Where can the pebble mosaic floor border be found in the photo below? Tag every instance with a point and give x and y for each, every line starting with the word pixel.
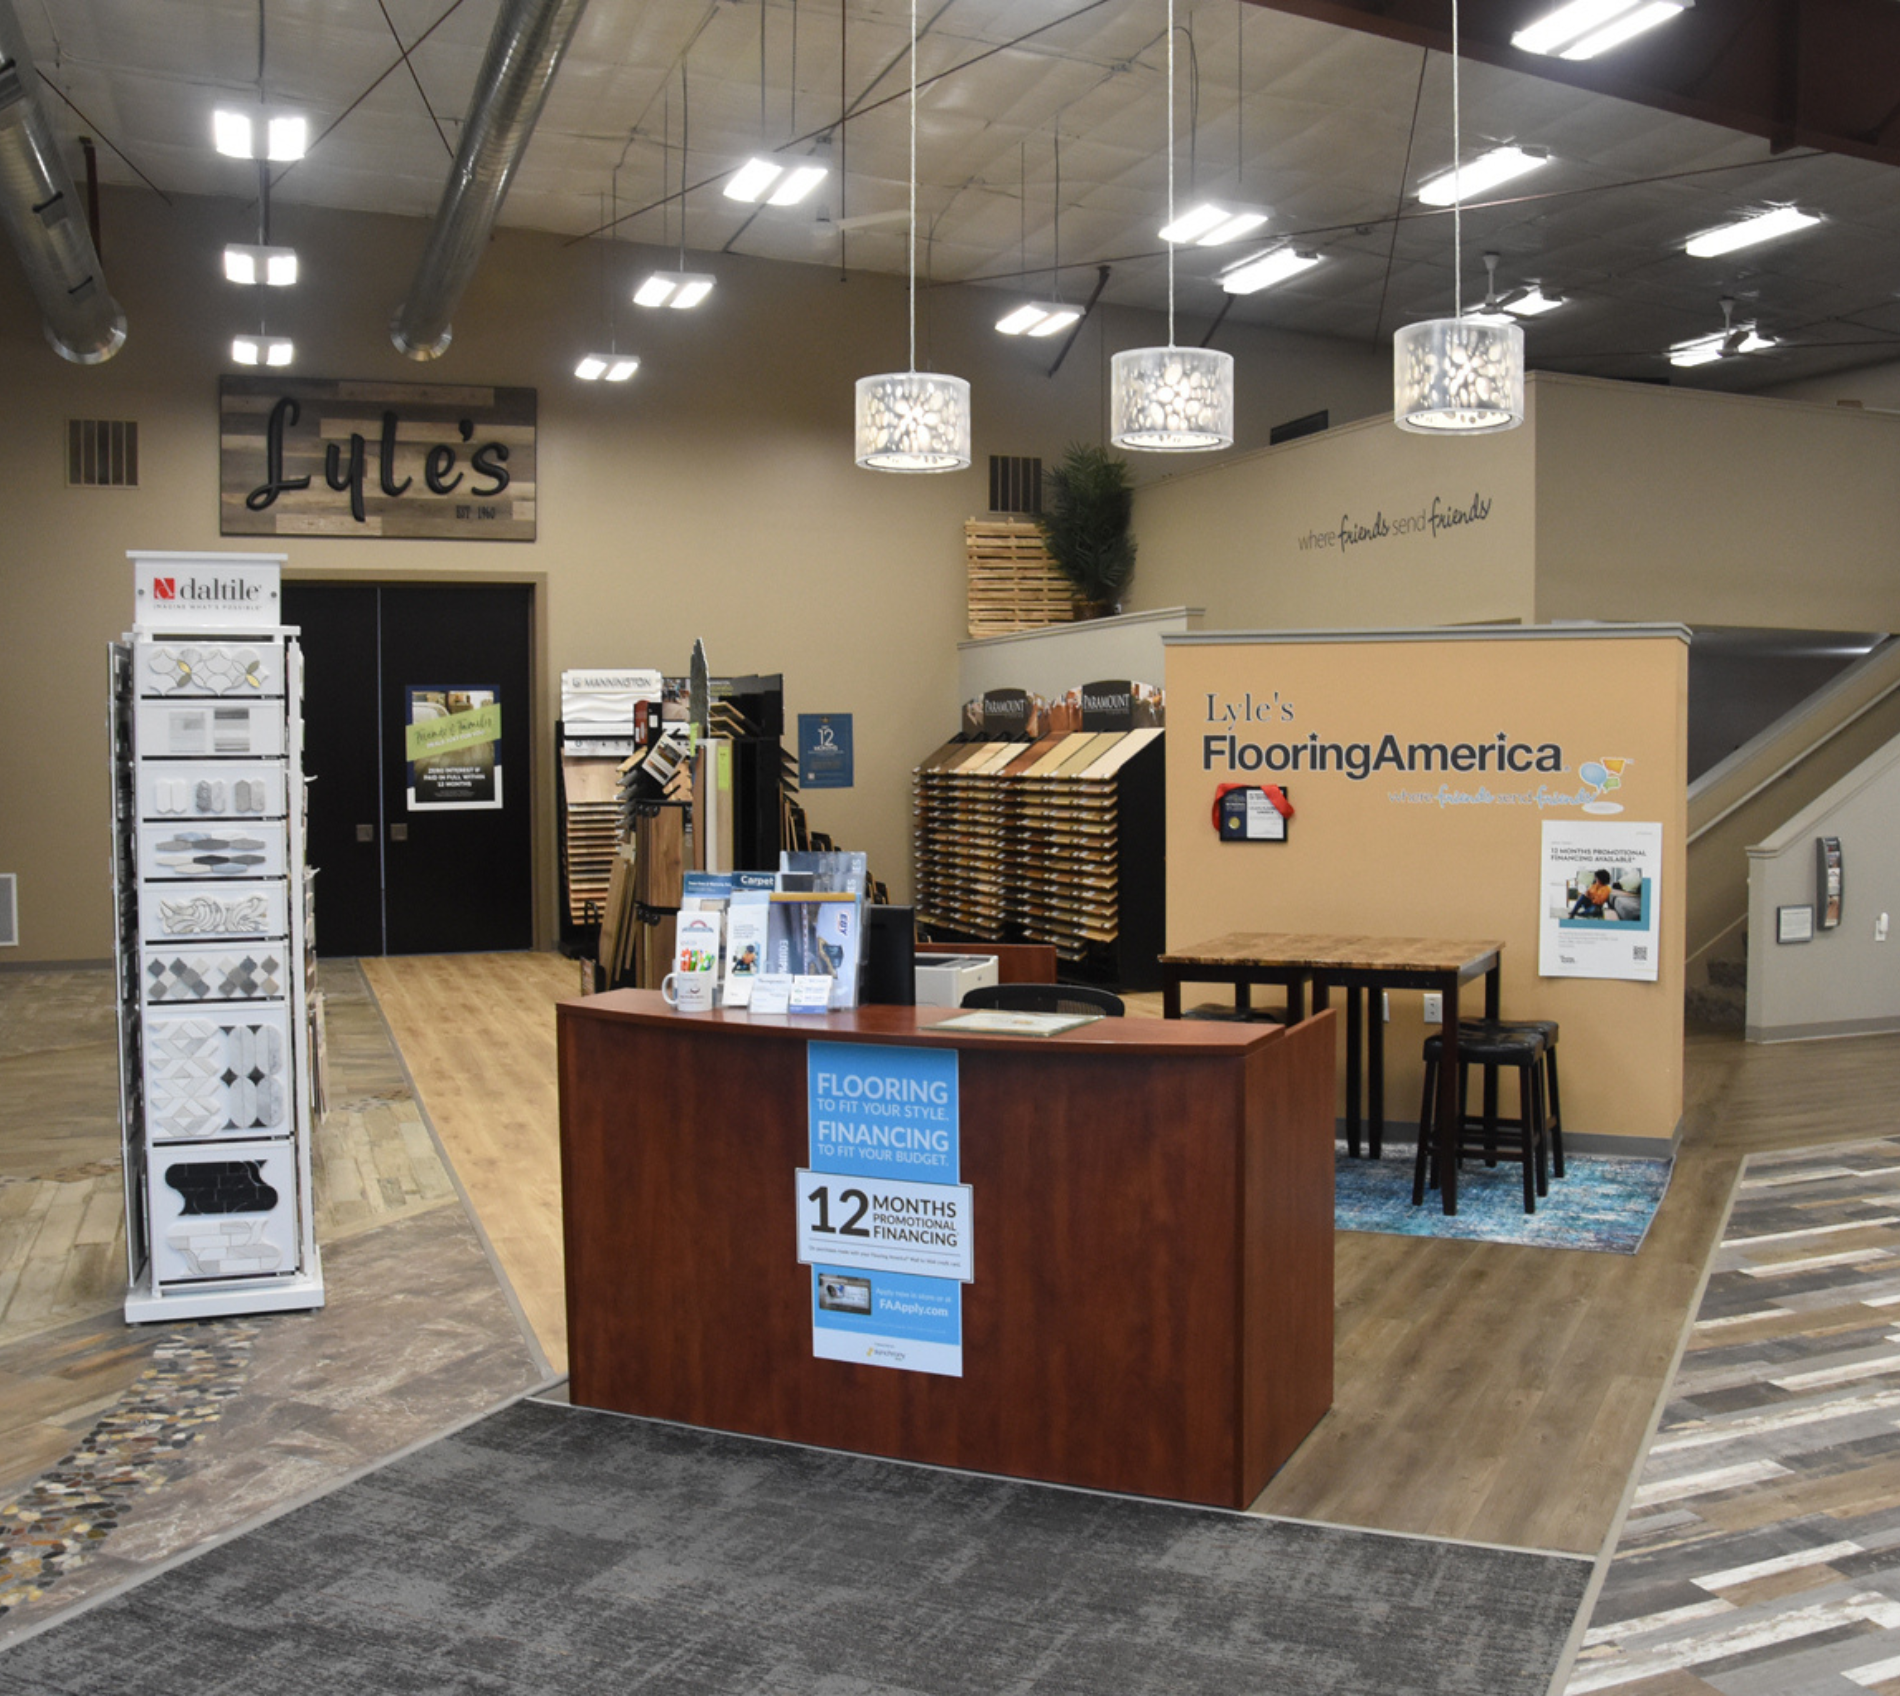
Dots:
pixel 62 1520
pixel 1761 1554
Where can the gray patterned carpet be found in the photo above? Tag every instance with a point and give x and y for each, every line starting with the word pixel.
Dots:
pixel 550 1550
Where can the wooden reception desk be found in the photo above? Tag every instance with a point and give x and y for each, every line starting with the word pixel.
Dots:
pixel 1153 1303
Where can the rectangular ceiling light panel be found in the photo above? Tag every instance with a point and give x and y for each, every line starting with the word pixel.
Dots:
pixel 1477 176
pixel 1765 226
pixel 1585 28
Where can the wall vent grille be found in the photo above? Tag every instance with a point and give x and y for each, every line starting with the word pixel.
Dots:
pixel 102 453
pixel 1015 484
pixel 9 910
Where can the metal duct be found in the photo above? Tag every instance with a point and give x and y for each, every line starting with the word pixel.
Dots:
pixel 523 55
pixel 45 218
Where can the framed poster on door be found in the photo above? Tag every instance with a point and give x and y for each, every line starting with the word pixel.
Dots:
pixel 452 742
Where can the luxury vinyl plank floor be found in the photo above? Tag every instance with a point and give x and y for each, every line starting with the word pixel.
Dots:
pixel 477 1034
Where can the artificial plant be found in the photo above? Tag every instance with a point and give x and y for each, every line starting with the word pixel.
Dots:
pixel 1087 507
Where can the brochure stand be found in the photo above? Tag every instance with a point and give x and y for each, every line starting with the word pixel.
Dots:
pixel 216 1046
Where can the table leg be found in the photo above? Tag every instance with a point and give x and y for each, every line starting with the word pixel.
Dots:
pixel 1170 993
pixel 1296 1001
pixel 1451 1107
pixel 1354 1040
pixel 1243 997
pixel 1491 1072
pixel 1375 1073
pixel 1492 1003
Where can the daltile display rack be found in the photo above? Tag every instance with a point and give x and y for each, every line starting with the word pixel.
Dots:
pixel 216 1048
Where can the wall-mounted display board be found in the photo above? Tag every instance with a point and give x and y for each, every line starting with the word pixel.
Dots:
pixel 1430 767
pixel 1054 840
pixel 217 1049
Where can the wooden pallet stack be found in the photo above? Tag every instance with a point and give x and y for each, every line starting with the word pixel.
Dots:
pixel 1014 584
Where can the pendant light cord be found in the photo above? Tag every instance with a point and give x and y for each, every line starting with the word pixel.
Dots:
pixel 1170 170
pixel 1457 180
pixel 913 183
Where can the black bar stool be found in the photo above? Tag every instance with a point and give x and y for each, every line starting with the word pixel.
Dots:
pixel 1553 1100
pixel 1492 1048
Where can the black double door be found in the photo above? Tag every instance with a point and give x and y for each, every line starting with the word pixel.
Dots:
pixel 396 877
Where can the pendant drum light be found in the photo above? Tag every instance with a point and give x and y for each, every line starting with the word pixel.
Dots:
pixel 1458 375
pixel 1171 399
pixel 913 420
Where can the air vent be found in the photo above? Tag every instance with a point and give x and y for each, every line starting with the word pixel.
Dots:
pixel 1015 484
pixel 9 910
pixel 1310 425
pixel 102 453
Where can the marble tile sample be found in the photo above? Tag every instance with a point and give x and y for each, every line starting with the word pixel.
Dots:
pixel 169 790
pixel 228 1212
pixel 177 730
pixel 209 668
pixel 191 975
pixel 231 851
pixel 169 910
pixel 217 1075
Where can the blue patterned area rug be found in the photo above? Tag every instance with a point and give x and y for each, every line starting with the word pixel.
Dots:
pixel 1601 1203
pixel 548 1551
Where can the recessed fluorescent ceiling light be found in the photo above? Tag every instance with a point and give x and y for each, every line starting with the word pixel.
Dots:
pixel 1783 221
pixel 261 350
pixel 1533 301
pixel 1585 28
pixel 613 367
pixel 1486 171
pixel 1212 225
pixel 1039 318
pixel 774 183
pixel 276 266
pixel 680 290
pixel 1706 350
pixel 235 136
pixel 1266 269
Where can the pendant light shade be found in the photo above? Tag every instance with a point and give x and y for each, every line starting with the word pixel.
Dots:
pixel 1172 399
pixel 913 421
pixel 1458 376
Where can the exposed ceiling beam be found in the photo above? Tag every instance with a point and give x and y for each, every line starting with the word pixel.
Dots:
pixel 1799 73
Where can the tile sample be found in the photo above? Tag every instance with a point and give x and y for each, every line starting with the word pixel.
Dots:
pixel 209 668
pixel 216 1075
pixel 211 910
pixel 178 790
pixel 215 974
pixel 235 851
pixel 174 730
pixel 228 1212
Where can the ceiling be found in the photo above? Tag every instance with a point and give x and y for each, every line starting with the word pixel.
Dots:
pixel 1329 127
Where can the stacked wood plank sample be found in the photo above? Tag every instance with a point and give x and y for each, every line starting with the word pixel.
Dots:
pixel 590 831
pixel 1055 841
pixel 1014 584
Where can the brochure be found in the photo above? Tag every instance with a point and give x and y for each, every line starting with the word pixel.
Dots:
pixel 747 930
pixel 813 934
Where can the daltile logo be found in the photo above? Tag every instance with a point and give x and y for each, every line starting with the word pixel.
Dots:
pixel 164 589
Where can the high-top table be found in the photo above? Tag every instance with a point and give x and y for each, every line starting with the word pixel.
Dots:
pixel 1360 965
pixel 1152 1309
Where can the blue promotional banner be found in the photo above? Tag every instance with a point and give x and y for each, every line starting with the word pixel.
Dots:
pixel 824 751
pixel 882 1219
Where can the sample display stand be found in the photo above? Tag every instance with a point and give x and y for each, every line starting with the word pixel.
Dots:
pixel 217 1045
pixel 1058 841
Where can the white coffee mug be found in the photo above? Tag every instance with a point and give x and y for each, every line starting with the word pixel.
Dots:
pixel 690 992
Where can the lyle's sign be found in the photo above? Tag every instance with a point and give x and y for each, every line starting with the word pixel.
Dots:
pixel 308 457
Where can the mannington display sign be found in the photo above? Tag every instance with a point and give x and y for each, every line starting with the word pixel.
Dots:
pixel 317 457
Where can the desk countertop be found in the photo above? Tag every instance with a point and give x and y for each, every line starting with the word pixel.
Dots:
pixel 916 1025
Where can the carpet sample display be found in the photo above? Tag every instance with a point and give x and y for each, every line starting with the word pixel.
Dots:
pixel 553 1550
pixel 1603 1202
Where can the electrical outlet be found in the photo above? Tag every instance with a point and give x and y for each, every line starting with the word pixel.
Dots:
pixel 1434 1007
pixel 1880 928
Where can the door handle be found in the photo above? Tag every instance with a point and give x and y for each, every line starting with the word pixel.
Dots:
pixel 365 833
pixel 398 833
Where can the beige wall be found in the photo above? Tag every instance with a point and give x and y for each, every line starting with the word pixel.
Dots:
pixel 1360 860
pixel 1248 539
pixel 1660 503
pixel 1846 980
pixel 714 496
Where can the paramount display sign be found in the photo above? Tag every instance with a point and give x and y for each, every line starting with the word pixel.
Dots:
pixel 316 457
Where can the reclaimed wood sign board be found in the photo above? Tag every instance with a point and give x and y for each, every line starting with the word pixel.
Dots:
pixel 316 457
